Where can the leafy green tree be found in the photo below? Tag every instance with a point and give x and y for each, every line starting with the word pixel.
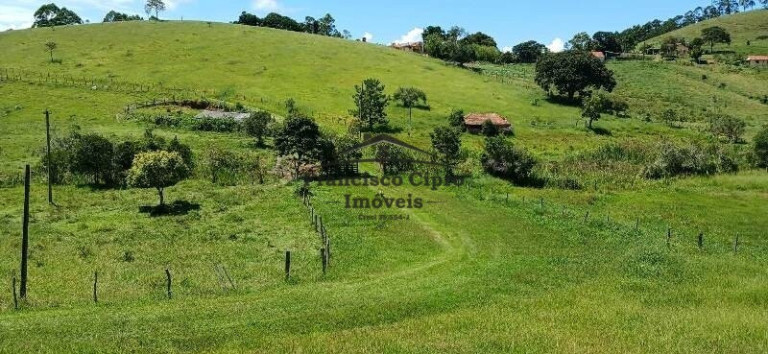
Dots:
pixel 50 15
pixel 456 118
pixel 581 42
pixel 257 124
pixel 529 52
pixel 745 4
pixel 159 170
pixel 447 143
pixel 300 136
pixel 761 147
pixel 696 51
pixel 92 156
pixel 593 107
pixel 481 39
pixel 371 102
pixel 408 98
pixel 713 35
pixel 114 16
pixel 573 72
pixel 50 46
pixel 156 6
pixel 606 42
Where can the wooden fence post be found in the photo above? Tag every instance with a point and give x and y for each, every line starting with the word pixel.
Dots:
pixel 669 237
pixel 323 259
pixel 287 265
pixel 15 299
pixel 736 245
pixel 169 279
pixel 95 287
pixel 25 234
pixel 701 240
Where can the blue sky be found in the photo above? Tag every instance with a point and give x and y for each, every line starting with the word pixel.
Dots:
pixel 510 22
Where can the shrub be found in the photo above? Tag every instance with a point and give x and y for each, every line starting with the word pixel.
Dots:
pixel 456 118
pixel 447 142
pixel 489 129
pixel 761 148
pixel 728 127
pixel 693 159
pixel 394 160
pixel 257 124
pixel 91 156
pixel 502 159
pixel 222 164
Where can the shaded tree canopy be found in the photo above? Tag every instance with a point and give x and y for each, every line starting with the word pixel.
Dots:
pixel 572 72
pixel 529 52
pixel 324 26
pixel 50 15
pixel 114 16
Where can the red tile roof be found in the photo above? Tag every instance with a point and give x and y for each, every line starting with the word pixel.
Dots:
pixel 599 55
pixel 477 119
pixel 757 57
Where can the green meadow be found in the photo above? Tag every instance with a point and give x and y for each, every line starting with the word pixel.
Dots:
pixel 613 266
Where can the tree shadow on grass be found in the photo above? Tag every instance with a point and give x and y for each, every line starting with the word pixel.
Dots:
pixel 564 101
pixel 385 129
pixel 177 208
pixel 601 131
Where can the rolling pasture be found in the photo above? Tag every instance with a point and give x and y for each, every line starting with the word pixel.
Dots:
pixel 615 266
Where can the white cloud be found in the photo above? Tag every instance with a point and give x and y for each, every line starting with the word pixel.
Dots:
pixel 412 36
pixel 266 5
pixel 368 37
pixel 15 17
pixel 557 45
pixel 506 50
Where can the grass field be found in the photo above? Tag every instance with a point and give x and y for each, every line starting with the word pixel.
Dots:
pixel 483 267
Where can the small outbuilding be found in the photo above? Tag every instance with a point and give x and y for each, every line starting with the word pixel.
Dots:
pixel 473 122
pixel 758 60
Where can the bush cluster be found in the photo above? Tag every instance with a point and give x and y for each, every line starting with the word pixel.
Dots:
pixel 95 159
pixel 502 159
pixel 693 159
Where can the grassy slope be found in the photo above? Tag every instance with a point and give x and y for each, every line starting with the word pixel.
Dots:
pixel 470 274
pixel 743 27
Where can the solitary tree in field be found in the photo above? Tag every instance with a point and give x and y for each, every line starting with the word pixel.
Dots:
pixel 156 6
pixel 50 46
pixel 696 52
pixel 371 102
pixel 593 107
pixel 256 125
pixel 409 97
pixel 447 143
pixel 713 35
pixel 159 170
pixel 573 72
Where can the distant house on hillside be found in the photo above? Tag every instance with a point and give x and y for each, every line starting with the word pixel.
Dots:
pixel 416 47
pixel 474 122
pixel 758 60
pixel 238 116
pixel 599 55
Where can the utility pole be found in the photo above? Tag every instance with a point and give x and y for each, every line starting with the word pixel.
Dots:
pixel 48 155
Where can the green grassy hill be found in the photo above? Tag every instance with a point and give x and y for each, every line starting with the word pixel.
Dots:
pixel 485 267
pixel 749 26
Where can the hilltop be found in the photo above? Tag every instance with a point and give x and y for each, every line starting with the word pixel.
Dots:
pixel 749 26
